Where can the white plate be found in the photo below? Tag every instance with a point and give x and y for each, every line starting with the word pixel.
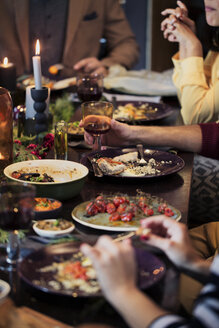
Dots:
pixel 51 233
pixel 101 221
pixel 4 290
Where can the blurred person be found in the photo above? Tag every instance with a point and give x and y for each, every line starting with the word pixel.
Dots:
pixel 195 77
pixel 69 32
pixel 116 271
pixel 202 139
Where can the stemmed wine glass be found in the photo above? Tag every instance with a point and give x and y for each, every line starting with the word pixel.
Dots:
pixel 89 86
pixel 16 212
pixel 97 119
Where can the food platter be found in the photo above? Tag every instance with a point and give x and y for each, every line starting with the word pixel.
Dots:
pixel 150 270
pixel 46 208
pixel 164 163
pixel 28 80
pixel 138 112
pixel 101 221
pixel 53 228
pixel 75 132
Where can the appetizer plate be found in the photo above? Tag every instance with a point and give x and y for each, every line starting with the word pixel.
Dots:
pixel 101 221
pixel 43 277
pixel 4 290
pixel 166 163
pixel 143 112
pixel 28 80
pixel 75 132
pixel 44 208
pixel 50 224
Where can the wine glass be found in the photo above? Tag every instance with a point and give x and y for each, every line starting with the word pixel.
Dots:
pixel 16 212
pixel 89 86
pixel 97 119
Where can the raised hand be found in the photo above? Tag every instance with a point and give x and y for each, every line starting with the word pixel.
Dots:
pixel 119 133
pixel 179 14
pixel 172 237
pixel 114 264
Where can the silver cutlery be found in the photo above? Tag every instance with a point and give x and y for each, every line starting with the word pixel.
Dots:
pixel 141 153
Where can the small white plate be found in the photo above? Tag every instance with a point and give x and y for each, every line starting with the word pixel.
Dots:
pixel 52 233
pixel 4 290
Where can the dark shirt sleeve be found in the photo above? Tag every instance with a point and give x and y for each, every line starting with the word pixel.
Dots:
pixel 206 311
pixel 210 140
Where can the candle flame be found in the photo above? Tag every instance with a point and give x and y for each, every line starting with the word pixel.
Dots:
pixel 5 61
pixel 37 51
pixel 1 156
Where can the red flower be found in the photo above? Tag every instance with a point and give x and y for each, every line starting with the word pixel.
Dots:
pixel 31 146
pixel 17 142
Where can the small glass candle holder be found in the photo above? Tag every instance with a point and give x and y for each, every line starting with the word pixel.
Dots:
pixel 61 140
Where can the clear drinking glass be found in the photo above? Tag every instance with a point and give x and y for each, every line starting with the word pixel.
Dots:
pixel 61 140
pixel 89 86
pixel 97 119
pixel 16 212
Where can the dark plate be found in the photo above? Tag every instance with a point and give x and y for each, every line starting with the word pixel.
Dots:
pixel 150 269
pixel 163 111
pixel 177 163
pixel 50 214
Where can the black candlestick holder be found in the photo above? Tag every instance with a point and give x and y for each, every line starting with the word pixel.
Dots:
pixel 39 97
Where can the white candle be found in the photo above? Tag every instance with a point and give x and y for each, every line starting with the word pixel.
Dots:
pixel 37 67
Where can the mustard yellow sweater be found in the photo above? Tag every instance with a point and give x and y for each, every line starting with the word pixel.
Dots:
pixel 197 83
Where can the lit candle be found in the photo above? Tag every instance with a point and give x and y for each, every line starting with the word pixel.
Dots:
pixel 8 75
pixel 37 67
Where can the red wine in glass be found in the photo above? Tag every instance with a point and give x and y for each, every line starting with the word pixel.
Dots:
pixel 16 220
pixel 89 87
pixel 96 125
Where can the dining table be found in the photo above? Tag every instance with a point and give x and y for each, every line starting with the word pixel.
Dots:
pixel 72 311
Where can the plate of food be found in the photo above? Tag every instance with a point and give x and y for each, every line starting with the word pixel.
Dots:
pixel 64 271
pixel 126 163
pixel 53 228
pixel 47 208
pixel 75 131
pixel 121 212
pixel 27 80
pixel 141 112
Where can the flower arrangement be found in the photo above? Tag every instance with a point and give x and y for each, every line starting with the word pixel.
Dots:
pixel 25 149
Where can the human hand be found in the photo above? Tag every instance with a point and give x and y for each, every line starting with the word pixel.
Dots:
pixel 172 237
pixel 119 133
pixel 91 65
pixel 114 264
pixel 178 14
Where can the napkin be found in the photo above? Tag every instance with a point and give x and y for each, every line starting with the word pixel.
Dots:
pixel 142 82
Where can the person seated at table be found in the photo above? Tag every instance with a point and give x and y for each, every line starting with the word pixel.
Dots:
pixel 200 138
pixel 116 271
pixel 203 139
pixel 69 33
pixel 196 78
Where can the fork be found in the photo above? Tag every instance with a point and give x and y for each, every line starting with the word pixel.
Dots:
pixel 141 153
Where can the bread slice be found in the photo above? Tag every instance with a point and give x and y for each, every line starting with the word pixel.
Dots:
pixel 110 166
pixel 129 157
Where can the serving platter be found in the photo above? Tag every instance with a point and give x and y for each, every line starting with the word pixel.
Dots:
pixel 166 163
pixel 27 80
pixel 32 269
pixel 147 111
pixel 101 221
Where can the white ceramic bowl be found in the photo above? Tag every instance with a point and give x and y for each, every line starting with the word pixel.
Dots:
pixel 52 233
pixel 69 177
pixel 4 290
